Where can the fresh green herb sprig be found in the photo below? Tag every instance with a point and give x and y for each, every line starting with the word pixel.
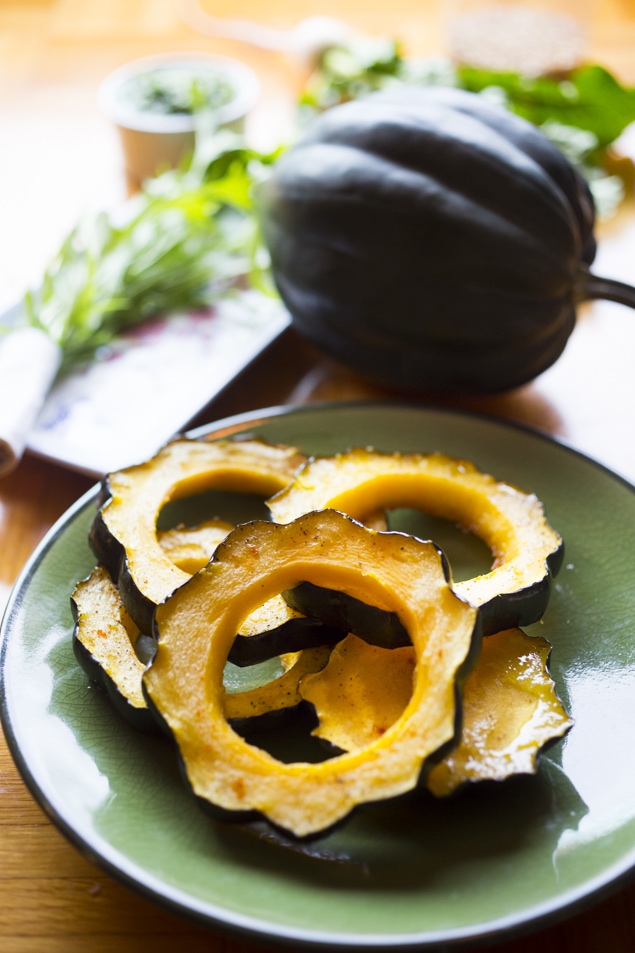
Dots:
pixel 186 238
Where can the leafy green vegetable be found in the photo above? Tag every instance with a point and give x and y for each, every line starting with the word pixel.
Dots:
pixel 186 239
pixel 590 98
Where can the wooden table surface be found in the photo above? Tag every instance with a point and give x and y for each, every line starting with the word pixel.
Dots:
pixel 58 157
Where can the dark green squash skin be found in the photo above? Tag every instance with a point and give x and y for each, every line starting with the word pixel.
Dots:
pixel 111 552
pixel 343 612
pixel 291 636
pixel 430 240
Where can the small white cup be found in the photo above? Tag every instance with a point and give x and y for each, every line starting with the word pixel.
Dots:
pixel 152 141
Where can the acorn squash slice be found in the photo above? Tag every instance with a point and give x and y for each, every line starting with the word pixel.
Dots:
pixel 527 552
pixel 104 641
pixel 196 625
pixel 510 707
pixel 360 693
pixel 123 534
pixel 511 712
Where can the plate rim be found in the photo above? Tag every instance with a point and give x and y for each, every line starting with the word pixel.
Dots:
pixel 234 923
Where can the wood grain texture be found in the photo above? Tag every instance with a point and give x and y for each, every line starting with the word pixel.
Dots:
pixel 59 158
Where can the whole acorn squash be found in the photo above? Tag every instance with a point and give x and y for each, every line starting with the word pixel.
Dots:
pixel 432 241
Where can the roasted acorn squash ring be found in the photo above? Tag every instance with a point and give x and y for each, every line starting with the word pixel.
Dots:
pixel 195 627
pixel 527 551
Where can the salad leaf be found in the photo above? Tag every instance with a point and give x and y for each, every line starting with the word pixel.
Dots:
pixel 590 98
pixel 186 239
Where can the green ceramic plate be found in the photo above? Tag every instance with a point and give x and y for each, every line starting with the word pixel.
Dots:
pixel 416 873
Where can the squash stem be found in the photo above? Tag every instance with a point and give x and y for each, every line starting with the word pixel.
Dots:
pixel 592 286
